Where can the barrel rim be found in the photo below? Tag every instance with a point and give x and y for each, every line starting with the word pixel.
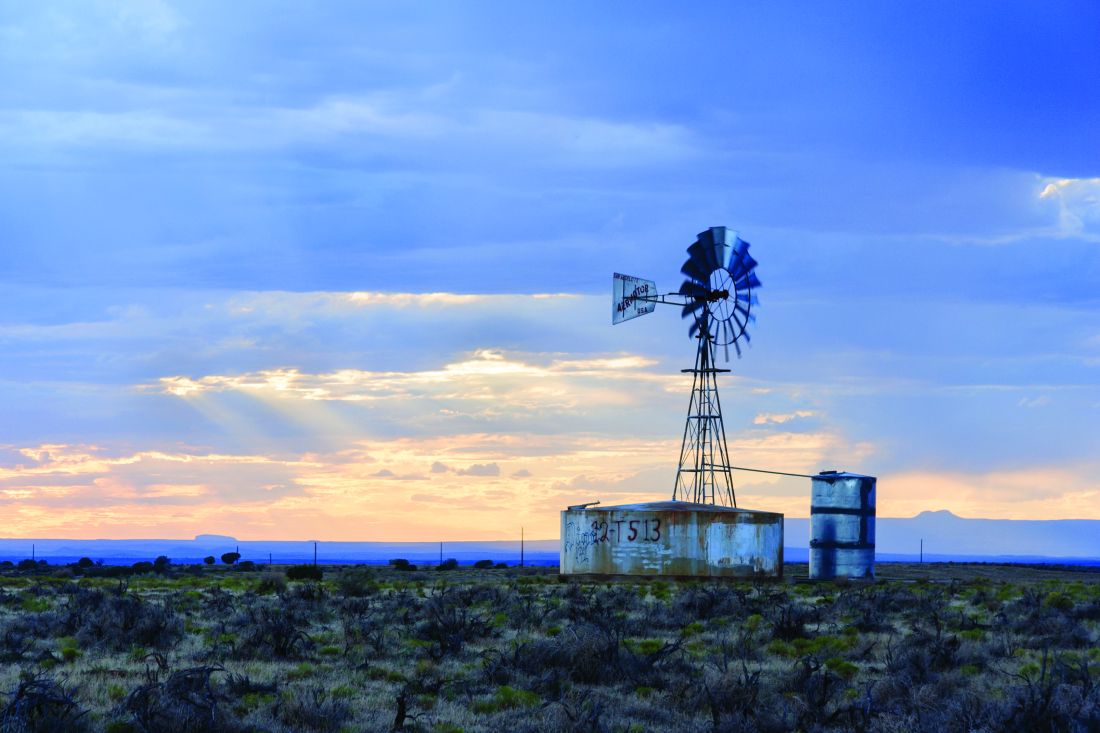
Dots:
pixel 675 506
pixel 840 545
pixel 830 477
pixel 850 511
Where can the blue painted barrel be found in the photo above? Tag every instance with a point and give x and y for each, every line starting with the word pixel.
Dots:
pixel 842 526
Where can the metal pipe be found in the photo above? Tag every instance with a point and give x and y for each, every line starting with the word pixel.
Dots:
pixel 777 473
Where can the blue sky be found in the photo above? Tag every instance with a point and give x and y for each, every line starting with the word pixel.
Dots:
pixel 265 265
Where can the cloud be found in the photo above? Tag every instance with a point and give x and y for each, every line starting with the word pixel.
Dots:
pixel 479 469
pixel 344 494
pixel 767 418
pixel 132 129
pixel 490 386
pixel 365 123
pixel 420 300
pixel 476 469
pixel 341 494
pixel 151 18
pixel 1078 204
pixel 1035 492
pixel 90 476
pixel 388 474
pixel 587 141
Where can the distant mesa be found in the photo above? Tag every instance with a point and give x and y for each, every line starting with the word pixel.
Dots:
pixel 214 538
pixel 937 514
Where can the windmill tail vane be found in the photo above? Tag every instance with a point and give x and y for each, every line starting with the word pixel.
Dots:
pixel 718 294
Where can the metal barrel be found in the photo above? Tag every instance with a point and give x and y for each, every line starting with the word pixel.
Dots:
pixel 842 526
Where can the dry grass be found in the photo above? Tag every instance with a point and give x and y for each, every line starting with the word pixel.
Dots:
pixel 933 647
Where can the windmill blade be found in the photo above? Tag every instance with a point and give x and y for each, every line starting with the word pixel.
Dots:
pixel 749 298
pixel 741 325
pixel 749 317
pixel 691 308
pixel 745 265
pixel 703 253
pixel 723 240
pixel 740 251
pixel 695 269
pixel 694 329
pixel 707 242
pixel 749 281
pixel 702 256
pixel 692 288
pixel 738 348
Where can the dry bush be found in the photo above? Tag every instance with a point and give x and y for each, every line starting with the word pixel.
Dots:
pixel 117 620
pixel 356 583
pixel 271 629
pixel 17 639
pixel 704 602
pixel 448 622
pixel 40 704
pixel 364 623
pixel 218 601
pixel 313 709
pixel 187 701
pixel 789 619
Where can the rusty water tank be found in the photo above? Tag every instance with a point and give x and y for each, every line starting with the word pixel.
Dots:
pixel 842 526
pixel 671 538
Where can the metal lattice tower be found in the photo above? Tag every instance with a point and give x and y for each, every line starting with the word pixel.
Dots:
pixel 704 475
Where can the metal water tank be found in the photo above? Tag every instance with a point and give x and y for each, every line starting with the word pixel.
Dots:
pixel 842 526
pixel 671 539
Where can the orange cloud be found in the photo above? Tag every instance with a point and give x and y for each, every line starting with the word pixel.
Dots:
pixel 471 486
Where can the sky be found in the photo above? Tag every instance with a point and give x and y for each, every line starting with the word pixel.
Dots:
pixel 342 270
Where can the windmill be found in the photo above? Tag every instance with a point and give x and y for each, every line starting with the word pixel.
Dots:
pixel 718 295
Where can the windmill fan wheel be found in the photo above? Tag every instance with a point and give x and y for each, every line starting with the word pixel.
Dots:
pixel 719 287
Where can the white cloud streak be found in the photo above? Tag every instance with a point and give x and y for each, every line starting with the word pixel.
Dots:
pixel 769 418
